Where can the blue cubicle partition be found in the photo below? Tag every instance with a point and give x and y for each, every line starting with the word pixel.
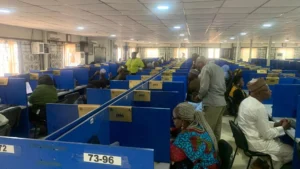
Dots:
pixel 65 80
pixel 141 132
pixel 100 96
pixel 93 70
pixel 40 154
pixel 119 84
pixel 59 115
pixel 285 99
pixel 81 75
pixel 139 77
pixel 14 93
pixel 113 69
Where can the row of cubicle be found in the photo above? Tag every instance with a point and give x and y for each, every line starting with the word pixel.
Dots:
pixel 126 126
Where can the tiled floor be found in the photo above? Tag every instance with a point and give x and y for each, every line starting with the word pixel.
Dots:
pixel 240 161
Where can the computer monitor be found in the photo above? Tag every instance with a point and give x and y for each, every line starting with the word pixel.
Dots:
pixel 28 88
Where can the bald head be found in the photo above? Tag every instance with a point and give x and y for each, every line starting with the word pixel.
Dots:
pixel 200 62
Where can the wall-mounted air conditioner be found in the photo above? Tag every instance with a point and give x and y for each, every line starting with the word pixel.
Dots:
pixel 37 48
pixel 54 37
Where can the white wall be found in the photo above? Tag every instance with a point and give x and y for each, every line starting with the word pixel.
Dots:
pixel 102 42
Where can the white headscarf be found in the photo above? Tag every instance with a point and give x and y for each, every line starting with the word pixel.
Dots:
pixel 187 112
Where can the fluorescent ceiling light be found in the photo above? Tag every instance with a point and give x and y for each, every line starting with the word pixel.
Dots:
pixel 267 25
pixel 163 7
pixel 177 27
pixel 243 33
pixel 113 35
pixel 181 35
pixel 6 11
pixel 232 38
pixel 80 28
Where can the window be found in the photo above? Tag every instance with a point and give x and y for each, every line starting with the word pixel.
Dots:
pixel 214 53
pixel 245 52
pixel 120 54
pixel 151 53
pixel 9 57
pixel 71 57
pixel 181 53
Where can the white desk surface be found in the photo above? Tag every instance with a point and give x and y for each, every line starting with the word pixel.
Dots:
pixel 161 165
pixel 291 132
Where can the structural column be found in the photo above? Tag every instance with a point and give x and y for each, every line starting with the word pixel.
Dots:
pixel 238 49
pixel 268 51
pixel 250 52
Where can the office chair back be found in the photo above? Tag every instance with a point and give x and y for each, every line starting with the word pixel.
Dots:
pixel 239 136
pixel 5 130
pixel 13 115
pixel 71 98
pixel 225 151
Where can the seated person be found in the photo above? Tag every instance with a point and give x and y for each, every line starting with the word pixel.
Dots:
pixel 195 147
pixel 237 93
pixel 44 93
pixel 262 134
pixel 102 83
pixel 122 73
pixel 193 84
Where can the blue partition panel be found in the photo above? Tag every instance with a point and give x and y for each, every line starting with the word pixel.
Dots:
pixel 39 154
pixel 298 119
pixel 59 115
pixel 107 68
pixel 113 69
pixel 93 70
pixel 285 99
pixel 270 100
pixel 139 77
pixel 98 96
pixel 287 80
pixel 119 84
pixel 97 125
pixel 246 76
pixel 14 92
pixel 65 80
pixel 150 128
pixel 81 75
pixel 176 86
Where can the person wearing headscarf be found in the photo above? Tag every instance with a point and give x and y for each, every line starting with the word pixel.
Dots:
pixel 44 93
pixel 134 64
pixel 237 94
pixel 195 146
pixel 100 83
pixel 262 134
pixel 212 93
pixel 193 84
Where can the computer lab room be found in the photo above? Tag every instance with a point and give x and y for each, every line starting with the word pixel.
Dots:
pixel 149 84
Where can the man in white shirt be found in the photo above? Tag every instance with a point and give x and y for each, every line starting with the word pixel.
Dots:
pixel 262 134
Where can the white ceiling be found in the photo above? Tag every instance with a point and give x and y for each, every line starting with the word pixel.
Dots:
pixel 200 20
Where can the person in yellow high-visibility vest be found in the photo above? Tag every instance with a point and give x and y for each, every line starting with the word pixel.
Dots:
pixel 134 64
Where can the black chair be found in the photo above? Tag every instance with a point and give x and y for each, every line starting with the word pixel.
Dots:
pixel 241 143
pixel 13 115
pixel 71 98
pixel 38 119
pixel 298 148
pixel 5 130
pixel 225 152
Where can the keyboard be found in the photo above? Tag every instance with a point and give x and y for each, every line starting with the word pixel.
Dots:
pixel 4 106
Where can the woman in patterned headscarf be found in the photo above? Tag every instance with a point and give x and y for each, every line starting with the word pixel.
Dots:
pixel 195 147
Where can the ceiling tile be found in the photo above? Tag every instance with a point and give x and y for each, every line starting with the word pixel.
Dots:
pixel 78 2
pixel 209 16
pixel 91 7
pixel 244 3
pixel 120 1
pixel 202 11
pixel 42 2
pixel 136 12
pixel 237 10
pixel 282 3
pixel 274 10
pixel 143 17
pixel 106 13
pixel 206 4
pixel 12 3
pixel 128 7
pixel 31 9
